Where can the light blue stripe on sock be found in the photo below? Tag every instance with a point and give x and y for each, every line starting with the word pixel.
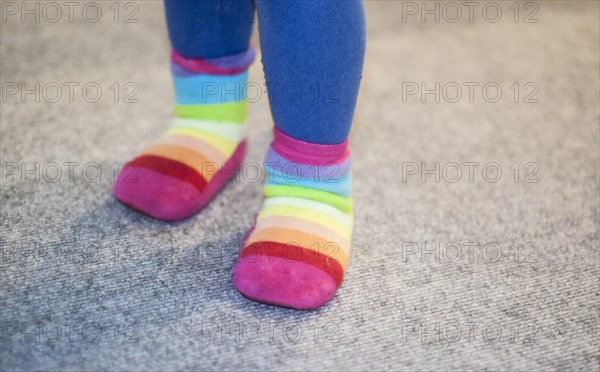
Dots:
pixel 210 89
pixel 341 186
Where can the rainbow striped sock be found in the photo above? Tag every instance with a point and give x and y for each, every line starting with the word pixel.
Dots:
pixel 179 174
pixel 297 251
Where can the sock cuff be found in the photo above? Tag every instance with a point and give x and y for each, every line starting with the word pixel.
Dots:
pixel 228 65
pixel 304 152
pixel 293 169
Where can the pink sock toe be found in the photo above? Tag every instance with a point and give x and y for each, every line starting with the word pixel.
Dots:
pixel 158 195
pixel 283 282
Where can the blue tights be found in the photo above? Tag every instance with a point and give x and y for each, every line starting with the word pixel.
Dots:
pixel 312 55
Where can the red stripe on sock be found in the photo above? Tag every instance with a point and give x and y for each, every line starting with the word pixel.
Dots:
pixel 171 168
pixel 296 253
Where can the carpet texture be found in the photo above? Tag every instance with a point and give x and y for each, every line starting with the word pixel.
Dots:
pixel 493 265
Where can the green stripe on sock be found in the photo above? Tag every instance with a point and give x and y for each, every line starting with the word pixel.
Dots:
pixel 341 203
pixel 235 112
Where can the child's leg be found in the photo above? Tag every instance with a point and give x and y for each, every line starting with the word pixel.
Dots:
pixel 176 176
pixel 209 28
pixel 297 252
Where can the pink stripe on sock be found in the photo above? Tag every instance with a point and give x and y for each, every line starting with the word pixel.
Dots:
pixel 309 153
pixel 229 65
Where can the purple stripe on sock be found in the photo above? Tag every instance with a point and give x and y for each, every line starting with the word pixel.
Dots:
pixel 242 60
pixel 180 71
pixel 309 153
pixel 322 172
pixel 229 65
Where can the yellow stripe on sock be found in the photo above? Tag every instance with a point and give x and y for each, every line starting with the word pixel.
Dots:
pixel 234 132
pixel 345 218
pixel 225 146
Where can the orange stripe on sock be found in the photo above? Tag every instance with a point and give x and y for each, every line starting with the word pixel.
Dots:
pixel 301 239
pixel 306 226
pixel 196 145
pixel 199 162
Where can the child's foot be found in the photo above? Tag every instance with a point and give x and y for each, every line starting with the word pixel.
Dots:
pixel 297 251
pixel 178 175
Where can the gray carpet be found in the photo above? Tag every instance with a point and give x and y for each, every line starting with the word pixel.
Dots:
pixel 475 270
